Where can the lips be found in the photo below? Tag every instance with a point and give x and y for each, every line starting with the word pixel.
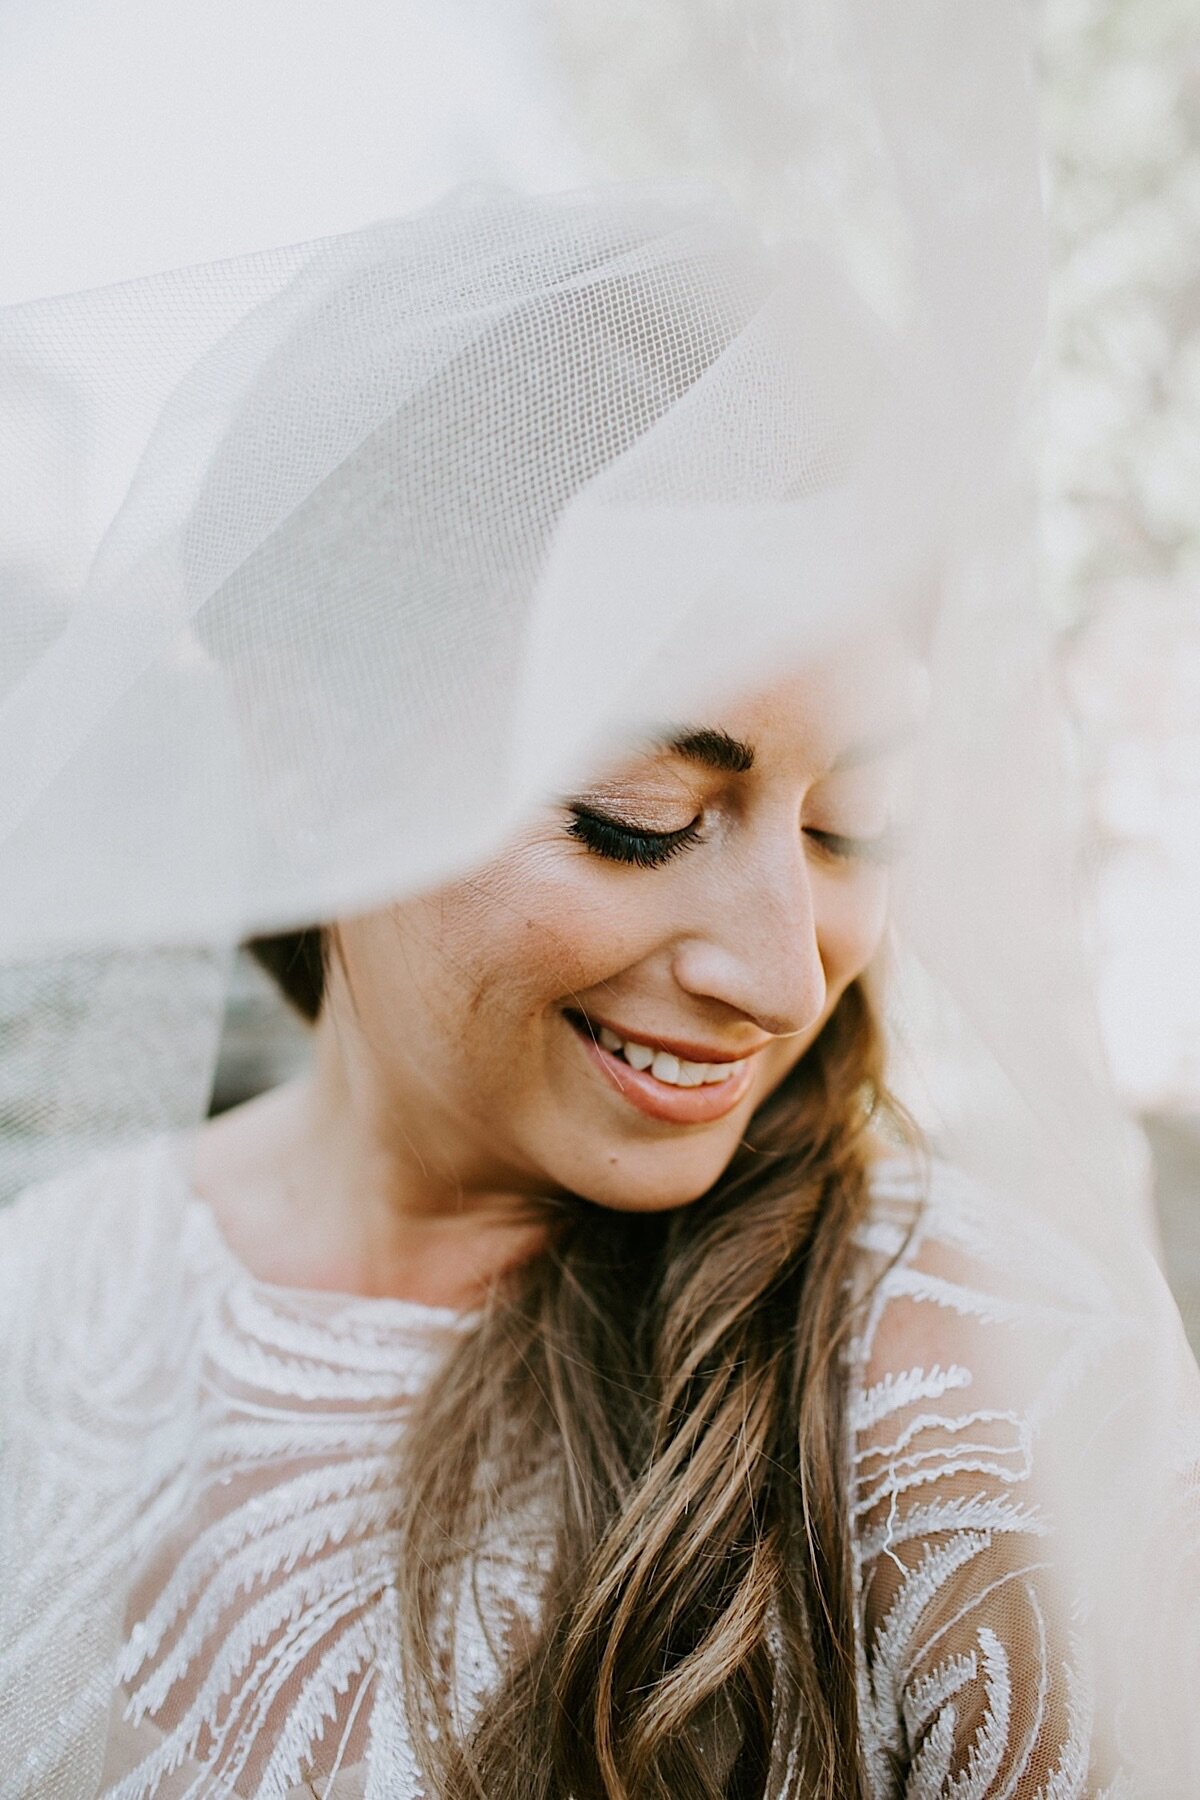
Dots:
pixel 699 1102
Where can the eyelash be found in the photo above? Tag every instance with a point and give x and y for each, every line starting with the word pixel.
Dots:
pixel 620 843
pixel 847 849
pixel 624 844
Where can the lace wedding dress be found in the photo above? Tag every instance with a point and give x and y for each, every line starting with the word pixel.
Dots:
pixel 198 1480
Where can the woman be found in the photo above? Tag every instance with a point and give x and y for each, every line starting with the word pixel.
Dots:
pixel 604 1125
pixel 583 1382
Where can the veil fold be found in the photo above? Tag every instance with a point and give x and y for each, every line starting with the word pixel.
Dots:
pixel 321 567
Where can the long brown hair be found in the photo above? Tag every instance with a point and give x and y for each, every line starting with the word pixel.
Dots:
pixel 677 1379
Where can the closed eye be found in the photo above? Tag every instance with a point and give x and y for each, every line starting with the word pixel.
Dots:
pixel 879 849
pixel 618 841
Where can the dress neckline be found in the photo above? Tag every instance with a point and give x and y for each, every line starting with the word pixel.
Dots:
pixel 373 1309
pixel 327 1303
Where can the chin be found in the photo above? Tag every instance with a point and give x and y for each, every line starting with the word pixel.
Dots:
pixel 650 1182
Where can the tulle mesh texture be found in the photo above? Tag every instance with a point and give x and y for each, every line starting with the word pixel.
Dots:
pixel 320 567
pixel 457 482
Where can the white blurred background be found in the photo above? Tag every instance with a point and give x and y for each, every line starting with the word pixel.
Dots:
pixel 1121 486
pixel 135 138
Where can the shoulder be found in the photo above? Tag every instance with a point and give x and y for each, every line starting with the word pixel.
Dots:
pixel 938 1207
pixel 977 1331
pixel 947 1263
pixel 90 1241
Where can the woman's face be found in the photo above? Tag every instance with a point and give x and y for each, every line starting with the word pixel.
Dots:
pixel 601 1009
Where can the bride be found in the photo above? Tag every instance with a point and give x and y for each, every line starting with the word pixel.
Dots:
pixel 586 1380
pixel 591 1242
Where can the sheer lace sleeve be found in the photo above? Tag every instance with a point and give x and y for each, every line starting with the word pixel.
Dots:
pixel 974 1678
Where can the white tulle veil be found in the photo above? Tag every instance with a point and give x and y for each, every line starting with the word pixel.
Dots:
pixel 321 566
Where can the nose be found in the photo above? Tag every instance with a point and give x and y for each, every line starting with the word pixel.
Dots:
pixel 756 949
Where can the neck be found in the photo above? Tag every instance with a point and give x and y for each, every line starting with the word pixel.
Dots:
pixel 329 1182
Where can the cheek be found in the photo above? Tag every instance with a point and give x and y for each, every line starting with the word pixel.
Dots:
pixel 545 924
pixel 851 925
pixel 437 991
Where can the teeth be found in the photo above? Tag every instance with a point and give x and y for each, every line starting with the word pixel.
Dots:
pixel 672 1070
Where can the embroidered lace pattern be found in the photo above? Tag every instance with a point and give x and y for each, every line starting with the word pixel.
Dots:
pixel 198 1495
pixel 973 1360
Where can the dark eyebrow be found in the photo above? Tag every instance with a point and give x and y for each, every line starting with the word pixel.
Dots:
pixel 715 749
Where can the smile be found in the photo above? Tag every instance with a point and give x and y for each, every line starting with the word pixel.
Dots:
pixel 659 1082
pixel 675 1071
